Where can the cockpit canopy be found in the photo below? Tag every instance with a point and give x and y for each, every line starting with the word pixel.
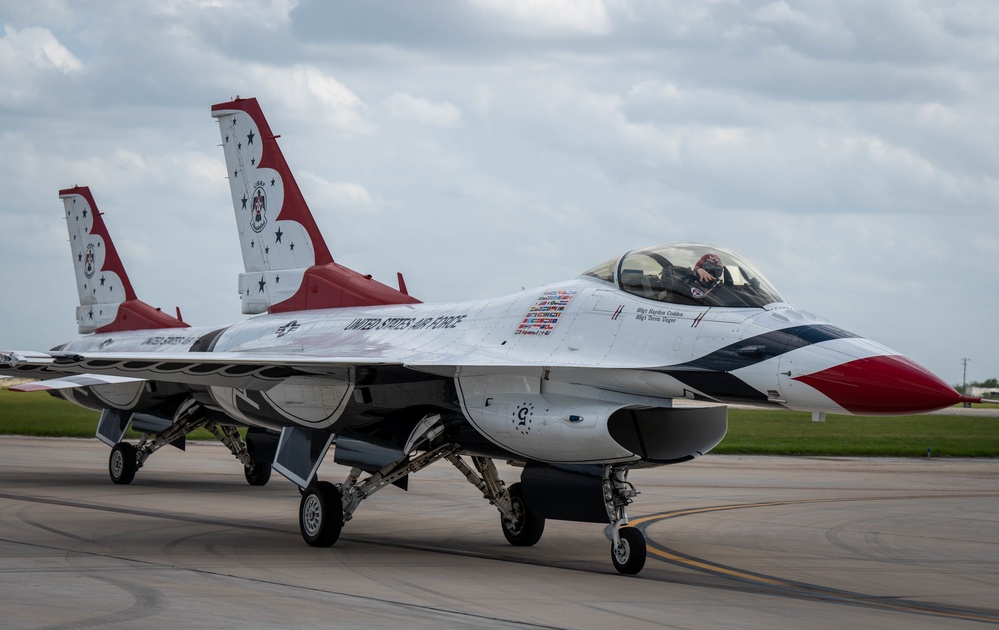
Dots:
pixel 689 273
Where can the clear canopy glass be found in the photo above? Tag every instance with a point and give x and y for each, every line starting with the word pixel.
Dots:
pixel 689 273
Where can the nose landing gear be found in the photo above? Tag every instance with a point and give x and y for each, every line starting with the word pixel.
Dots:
pixel 628 551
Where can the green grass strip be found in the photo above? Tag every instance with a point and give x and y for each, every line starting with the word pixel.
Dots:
pixel 750 432
pixel 39 414
pixel 778 432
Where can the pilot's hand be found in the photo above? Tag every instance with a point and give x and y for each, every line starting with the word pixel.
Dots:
pixel 704 276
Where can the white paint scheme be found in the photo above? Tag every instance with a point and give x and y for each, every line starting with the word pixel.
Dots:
pixel 248 181
pixel 476 342
pixel 78 380
pixel 254 300
pixel 100 290
pixel 306 401
pixel 537 418
pixel 578 372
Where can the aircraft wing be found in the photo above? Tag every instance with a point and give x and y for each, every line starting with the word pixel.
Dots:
pixel 76 380
pixel 258 368
pixel 248 370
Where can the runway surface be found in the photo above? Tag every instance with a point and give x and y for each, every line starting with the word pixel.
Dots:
pixel 737 542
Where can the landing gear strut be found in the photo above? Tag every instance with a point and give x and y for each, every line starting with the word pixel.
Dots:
pixel 316 513
pixel 126 459
pixel 628 549
pixel 325 507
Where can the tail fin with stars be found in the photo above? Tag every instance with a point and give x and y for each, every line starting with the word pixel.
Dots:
pixel 288 265
pixel 107 301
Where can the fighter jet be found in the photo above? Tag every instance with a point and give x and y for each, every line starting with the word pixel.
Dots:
pixel 109 307
pixel 574 381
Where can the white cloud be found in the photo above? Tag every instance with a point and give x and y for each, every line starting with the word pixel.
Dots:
pixel 35 48
pixel 308 91
pixel 818 140
pixel 408 107
pixel 655 90
pixel 269 13
pixel 588 17
pixel 321 192
pixel 28 57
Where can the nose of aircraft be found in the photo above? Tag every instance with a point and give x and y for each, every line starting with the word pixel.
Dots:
pixel 883 385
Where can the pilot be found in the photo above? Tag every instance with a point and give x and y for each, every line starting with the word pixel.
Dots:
pixel 708 269
pixel 683 283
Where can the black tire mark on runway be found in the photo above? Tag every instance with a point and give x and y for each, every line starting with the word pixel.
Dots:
pixel 771 585
pixel 731 578
pixel 147 597
pixel 147 601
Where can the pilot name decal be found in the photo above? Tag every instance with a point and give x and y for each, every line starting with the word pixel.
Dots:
pixel 543 316
pixel 405 323
pixel 657 315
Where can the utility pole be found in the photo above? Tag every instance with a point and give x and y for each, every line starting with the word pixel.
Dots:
pixel 964 363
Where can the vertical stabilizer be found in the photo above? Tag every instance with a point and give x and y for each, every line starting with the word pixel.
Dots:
pixel 288 265
pixel 107 301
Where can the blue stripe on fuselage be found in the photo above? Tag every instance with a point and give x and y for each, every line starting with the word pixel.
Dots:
pixel 711 375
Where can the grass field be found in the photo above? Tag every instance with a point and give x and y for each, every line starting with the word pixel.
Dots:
pixel 765 432
pixel 39 414
pixel 760 432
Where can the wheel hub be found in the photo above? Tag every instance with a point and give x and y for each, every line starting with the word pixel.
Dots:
pixel 622 551
pixel 516 524
pixel 117 463
pixel 312 515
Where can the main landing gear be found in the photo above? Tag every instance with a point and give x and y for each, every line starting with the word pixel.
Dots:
pixel 125 459
pixel 326 507
pixel 320 514
pixel 122 464
pixel 522 528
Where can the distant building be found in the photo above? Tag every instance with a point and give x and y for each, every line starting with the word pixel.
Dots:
pixel 983 392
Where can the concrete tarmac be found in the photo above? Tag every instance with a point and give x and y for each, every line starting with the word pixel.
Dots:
pixel 735 542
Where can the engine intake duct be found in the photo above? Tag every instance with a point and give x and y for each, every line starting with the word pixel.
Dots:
pixel 669 435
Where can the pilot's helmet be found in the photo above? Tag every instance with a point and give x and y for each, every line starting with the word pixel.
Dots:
pixel 710 263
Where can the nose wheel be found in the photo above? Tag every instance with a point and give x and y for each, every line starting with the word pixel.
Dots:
pixel 628 553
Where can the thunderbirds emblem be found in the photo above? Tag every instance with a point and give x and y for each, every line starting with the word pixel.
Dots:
pixel 88 262
pixel 258 212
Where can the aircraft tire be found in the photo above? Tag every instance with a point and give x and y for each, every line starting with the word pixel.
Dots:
pixel 320 514
pixel 629 556
pixel 529 530
pixel 122 463
pixel 257 474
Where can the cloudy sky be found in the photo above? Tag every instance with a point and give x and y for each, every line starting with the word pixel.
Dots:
pixel 848 149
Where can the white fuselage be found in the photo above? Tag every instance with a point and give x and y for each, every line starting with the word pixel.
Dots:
pixel 583 331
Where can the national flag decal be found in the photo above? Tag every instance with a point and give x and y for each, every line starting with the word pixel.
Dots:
pixel 543 316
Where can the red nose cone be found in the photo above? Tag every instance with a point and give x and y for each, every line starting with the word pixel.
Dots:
pixel 885 385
